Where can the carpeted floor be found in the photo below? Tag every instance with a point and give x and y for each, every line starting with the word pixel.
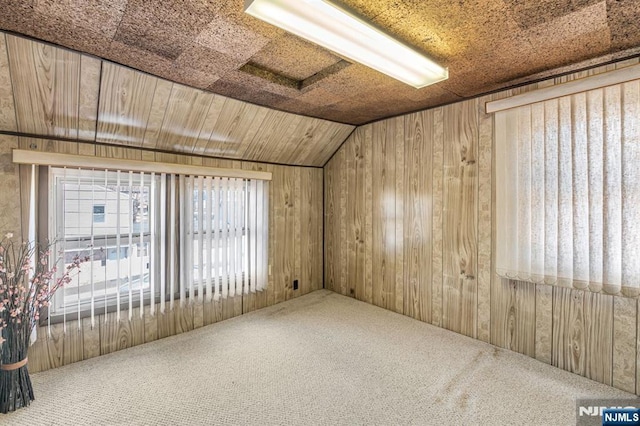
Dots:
pixel 319 359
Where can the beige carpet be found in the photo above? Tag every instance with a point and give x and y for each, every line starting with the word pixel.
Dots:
pixel 320 359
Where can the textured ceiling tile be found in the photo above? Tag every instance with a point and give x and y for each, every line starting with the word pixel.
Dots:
pixel 531 14
pixel 160 66
pixel 161 41
pixel 291 104
pixel 233 90
pixel 294 57
pixel 258 83
pixel 189 76
pixel 319 97
pixel 101 16
pixel 233 10
pixel 65 33
pixel 231 38
pixel 570 26
pixel 140 59
pixel 17 15
pixel 624 21
pixel 446 29
pixel 164 27
pixel 207 60
pixel 577 35
pixel 352 80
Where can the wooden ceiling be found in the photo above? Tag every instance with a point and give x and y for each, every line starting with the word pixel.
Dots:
pixel 487 45
pixel 55 92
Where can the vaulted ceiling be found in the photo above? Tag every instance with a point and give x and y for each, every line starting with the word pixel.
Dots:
pixel 213 45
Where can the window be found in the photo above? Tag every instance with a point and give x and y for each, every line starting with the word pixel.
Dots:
pixel 98 213
pixel 568 191
pixel 115 233
pixel 155 237
pixel 225 235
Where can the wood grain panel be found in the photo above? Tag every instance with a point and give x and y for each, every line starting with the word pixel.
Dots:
pixel 384 227
pixel 159 106
pixel 91 337
pixel 297 241
pixel 208 127
pixel 317 228
pixel 398 246
pixel 350 216
pixel 151 323
pixel 72 346
pixel 544 322
pixel 582 333
pixel 367 149
pixel 90 69
pixel 304 218
pixel 183 317
pixel 275 128
pixel 46 84
pixel 166 323
pixel 46 352
pixel 342 223
pixel 437 197
pixel 625 312
pixel 120 334
pixel 283 225
pixel 513 324
pixel 313 136
pixel 231 307
pixel 485 220
pixel 460 210
pixel 212 311
pixel 126 97
pixel 10 210
pixel 7 106
pixel 418 215
pixel 233 123
pixel 330 226
pixel 184 118
pixel 357 186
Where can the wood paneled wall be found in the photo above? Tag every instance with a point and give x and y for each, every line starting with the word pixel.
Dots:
pixel 295 252
pixel 408 227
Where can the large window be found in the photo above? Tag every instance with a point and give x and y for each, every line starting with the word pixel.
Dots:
pixel 155 237
pixel 568 191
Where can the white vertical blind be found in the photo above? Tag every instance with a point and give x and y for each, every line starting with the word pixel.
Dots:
pixel 152 235
pixel 568 191
pixel 228 245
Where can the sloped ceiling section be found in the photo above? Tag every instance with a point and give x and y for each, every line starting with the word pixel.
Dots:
pixel 50 91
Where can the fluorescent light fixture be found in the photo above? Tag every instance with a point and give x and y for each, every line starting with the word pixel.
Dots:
pixel 330 26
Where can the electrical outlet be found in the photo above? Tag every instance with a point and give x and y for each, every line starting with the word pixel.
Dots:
pixel 295 284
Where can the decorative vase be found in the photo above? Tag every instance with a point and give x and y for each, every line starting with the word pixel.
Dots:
pixel 16 390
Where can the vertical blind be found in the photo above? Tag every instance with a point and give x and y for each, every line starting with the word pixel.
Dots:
pixel 154 238
pixel 568 191
pixel 225 233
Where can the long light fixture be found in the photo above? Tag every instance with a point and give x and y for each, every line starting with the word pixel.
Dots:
pixel 334 28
